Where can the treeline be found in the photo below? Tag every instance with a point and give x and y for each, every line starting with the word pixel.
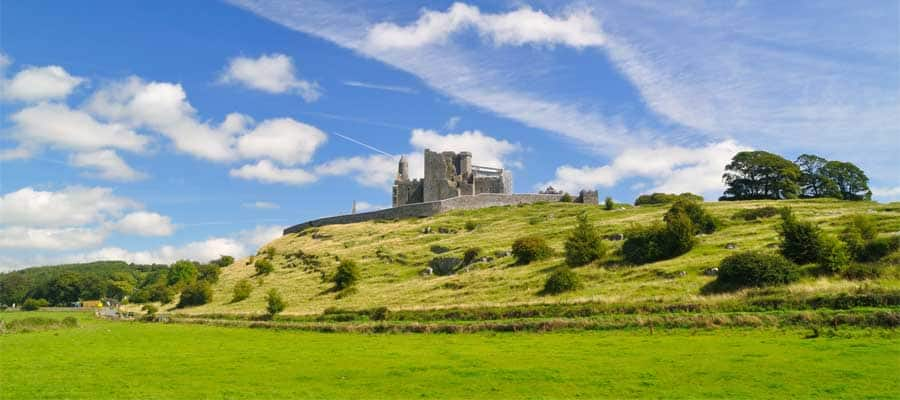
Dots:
pixel 63 285
pixel 760 175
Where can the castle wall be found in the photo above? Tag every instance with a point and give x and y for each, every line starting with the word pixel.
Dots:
pixel 407 192
pixel 430 208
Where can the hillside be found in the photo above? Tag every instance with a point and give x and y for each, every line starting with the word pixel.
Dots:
pixel 392 255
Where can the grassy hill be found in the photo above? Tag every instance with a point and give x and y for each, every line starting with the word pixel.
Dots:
pixel 392 255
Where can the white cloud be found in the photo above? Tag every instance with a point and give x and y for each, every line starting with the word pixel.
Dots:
pixel 260 235
pixel 452 122
pixel 887 194
pixel 59 126
pixel 284 140
pixel 375 170
pixel 486 150
pixel 272 73
pixel 74 205
pixel 522 26
pixel 144 223
pixel 362 206
pixel 38 83
pixel 18 237
pixel 671 169
pixel 5 61
pixel 262 205
pixel 108 165
pixel 389 88
pixel 201 251
pixel 267 172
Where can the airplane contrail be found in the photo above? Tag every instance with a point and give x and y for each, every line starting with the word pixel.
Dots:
pixel 363 144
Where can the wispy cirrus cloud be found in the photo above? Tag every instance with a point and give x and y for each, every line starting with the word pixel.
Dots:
pixel 376 86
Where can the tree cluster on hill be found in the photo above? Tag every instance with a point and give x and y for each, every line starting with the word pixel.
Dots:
pixel 62 285
pixel 665 198
pixel 759 175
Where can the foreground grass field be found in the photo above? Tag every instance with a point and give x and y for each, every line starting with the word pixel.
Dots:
pixel 102 359
pixel 392 254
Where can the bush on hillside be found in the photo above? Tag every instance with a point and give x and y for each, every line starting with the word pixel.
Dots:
pixel 799 239
pixel 150 309
pixel 274 303
pixel 530 248
pixel 181 273
pixel 561 280
pixel 566 198
pixel 195 294
pixel 471 225
pixel 208 273
pixel 751 214
pixel 865 225
pixel 861 271
pixel 269 252
pixel 223 261
pixel 584 244
pixel 347 275
pixel 756 269
pixel 241 290
pixel 680 231
pixel 470 255
pixel 665 198
pixel 608 203
pixel 34 304
pixel 646 244
pixel 160 293
pixel 832 254
pixel 879 248
pixel 702 221
pixel 263 266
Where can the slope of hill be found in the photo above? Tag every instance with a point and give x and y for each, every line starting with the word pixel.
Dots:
pixel 393 254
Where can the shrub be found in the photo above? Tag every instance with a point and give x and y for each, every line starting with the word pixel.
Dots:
pixel 34 304
pixel 561 280
pixel 753 268
pixel 665 198
pixel 223 261
pixel 702 221
pixel 751 214
pixel 182 273
pixel 531 248
pixel 471 225
pixel 269 252
pixel 608 203
pixel 241 291
pixel 274 303
pixel 470 255
pixel 444 265
pixel 566 198
pixel 879 248
pixel 865 225
pixel 680 231
pixel 195 294
pixel 263 266
pixel 584 244
pixel 160 293
pixel 208 273
pixel 347 275
pixel 799 239
pixel 860 271
pixel 645 244
pixel 150 309
pixel 438 249
pixel 832 254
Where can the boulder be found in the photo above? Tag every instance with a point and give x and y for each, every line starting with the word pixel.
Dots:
pixel 615 237
pixel 427 229
pixel 730 246
pixel 711 271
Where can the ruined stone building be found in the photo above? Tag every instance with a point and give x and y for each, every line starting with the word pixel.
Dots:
pixel 448 175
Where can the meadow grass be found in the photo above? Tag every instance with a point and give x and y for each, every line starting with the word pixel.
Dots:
pixel 392 254
pixel 105 359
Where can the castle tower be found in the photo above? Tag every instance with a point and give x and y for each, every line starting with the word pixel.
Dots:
pixel 403 169
pixel 465 163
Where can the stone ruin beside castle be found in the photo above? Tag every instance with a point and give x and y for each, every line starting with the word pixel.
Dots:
pixel 450 182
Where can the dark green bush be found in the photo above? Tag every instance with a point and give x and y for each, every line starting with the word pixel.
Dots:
pixel 584 244
pixel 561 280
pixel 160 293
pixel 566 198
pixel 702 221
pixel 150 309
pixel 223 261
pixel 757 269
pixel 646 244
pixel 860 271
pixel 471 225
pixel 241 291
pixel 347 275
pixel 531 248
pixel 608 203
pixel 799 239
pixel 865 225
pixel 208 273
pixel 665 198
pixel 195 294
pixel 680 231
pixel 751 214
pixel 34 304
pixel 470 255
pixel 879 248
pixel 269 252
pixel 263 266
pixel 274 303
pixel 182 273
pixel 438 249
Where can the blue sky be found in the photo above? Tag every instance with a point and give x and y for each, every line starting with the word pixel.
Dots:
pixel 156 131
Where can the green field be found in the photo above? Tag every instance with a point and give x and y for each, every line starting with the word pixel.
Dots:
pixel 101 359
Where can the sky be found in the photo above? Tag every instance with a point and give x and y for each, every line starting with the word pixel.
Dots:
pixel 156 131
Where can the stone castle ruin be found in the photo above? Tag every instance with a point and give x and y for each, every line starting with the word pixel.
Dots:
pixel 450 182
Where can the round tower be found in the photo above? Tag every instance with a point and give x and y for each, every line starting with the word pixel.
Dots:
pixel 403 169
pixel 465 163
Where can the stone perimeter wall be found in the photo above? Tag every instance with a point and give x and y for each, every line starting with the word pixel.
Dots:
pixel 430 208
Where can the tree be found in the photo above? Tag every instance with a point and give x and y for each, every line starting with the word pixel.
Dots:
pixel 241 291
pixel 851 182
pixel 182 273
pixel 703 222
pixel 347 275
pixel 223 261
pixel 800 240
pixel 756 175
pixel 584 244
pixel 195 294
pixel 263 266
pixel 274 302
pixel 608 204
pixel 813 183
pixel 208 272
